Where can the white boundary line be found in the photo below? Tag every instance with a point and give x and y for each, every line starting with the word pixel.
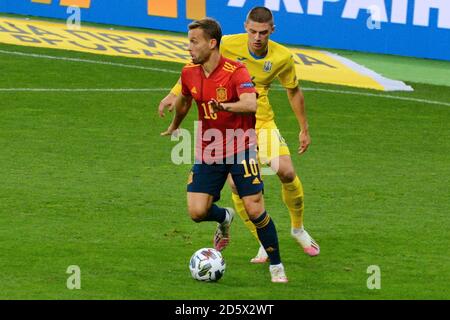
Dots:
pixel 83 89
pixel 119 90
pixel 367 94
pixel 33 55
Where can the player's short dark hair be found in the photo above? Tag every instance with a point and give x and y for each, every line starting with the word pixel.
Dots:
pixel 261 15
pixel 210 27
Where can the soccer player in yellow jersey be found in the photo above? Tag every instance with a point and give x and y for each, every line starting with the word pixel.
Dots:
pixel 266 61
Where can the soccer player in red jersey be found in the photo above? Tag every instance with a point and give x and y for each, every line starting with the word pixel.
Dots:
pixel 266 61
pixel 226 101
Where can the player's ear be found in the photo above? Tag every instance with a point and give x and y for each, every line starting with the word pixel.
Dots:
pixel 273 29
pixel 213 43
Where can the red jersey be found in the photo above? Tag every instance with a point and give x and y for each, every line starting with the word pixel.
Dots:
pixel 222 134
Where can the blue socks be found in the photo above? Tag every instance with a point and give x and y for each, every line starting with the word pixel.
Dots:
pixel 267 234
pixel 216 214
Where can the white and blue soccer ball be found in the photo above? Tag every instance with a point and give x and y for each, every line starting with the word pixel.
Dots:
pixel 207 264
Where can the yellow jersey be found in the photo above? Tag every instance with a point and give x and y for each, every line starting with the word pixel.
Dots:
pixel 277 63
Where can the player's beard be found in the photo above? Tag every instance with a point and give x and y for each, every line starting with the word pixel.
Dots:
pixel 199 59
pixel 196 60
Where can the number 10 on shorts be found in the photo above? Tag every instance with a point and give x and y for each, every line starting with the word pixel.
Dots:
pixel 253 168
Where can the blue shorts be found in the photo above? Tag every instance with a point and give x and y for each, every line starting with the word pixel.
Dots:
pixel 210 178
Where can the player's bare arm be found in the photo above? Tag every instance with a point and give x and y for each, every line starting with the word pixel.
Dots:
pixel 167 103
pixel 297 102
pixel 182 105
pixel 246 104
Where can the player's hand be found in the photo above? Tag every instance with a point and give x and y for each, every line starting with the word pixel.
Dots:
pixel 170 131
pixel 215 106
pixel 167 103
pixel 305 141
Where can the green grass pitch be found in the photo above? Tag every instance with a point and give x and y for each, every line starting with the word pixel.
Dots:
pixel 86 180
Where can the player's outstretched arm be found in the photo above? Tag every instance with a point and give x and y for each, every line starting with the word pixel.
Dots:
pixel 182 105
pixel 245 104
pixel 166 103
pixel 297 102
pixel 169 101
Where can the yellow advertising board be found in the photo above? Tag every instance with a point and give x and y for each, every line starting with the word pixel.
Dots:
pixel 312 65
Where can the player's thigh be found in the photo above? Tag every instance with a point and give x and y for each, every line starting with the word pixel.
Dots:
pixel 271 143
pixel 284 168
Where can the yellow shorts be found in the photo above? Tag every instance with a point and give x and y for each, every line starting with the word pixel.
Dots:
pixel 270 142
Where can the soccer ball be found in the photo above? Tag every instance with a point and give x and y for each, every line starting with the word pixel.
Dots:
pixel 207 264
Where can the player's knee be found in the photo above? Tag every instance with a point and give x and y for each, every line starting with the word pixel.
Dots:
pixel 198 213
pixel 287 175
pixel 197 217
pixel 254 212
pixel 254 208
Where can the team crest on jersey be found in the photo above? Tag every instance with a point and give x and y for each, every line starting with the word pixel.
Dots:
pixel 267 66
pixel 221 94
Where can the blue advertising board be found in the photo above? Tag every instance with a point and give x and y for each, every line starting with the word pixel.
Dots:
pixel 418 28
